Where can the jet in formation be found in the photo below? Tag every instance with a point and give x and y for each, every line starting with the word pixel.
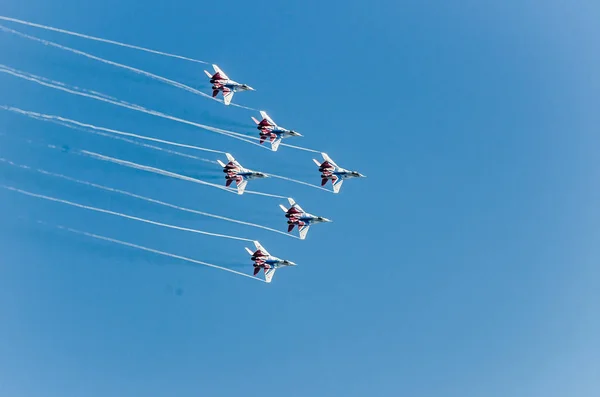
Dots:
pixel 270 130
pixel 298 217
pixel 263 260
pixel 331 171
pixel 221 82
pixel 235 172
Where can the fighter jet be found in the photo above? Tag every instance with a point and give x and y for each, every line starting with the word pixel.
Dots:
pixel 330 170
pixel 263 260
pixel 269 129
pixel 235 172
pixel 298 217
pixel 221 82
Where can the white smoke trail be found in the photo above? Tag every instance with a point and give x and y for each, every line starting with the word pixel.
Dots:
pixel 119 65
pixel 300 148
pixel 61 86
pixel 152 169
pixel 285 178
pixel 106 98
pixel 171 174
pixel 154 251
pixel 86 127
pixel 135 218
pixel 147 199
pixel 85 36
pixel 265 194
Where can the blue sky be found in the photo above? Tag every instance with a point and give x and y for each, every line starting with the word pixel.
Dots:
pixel 464 265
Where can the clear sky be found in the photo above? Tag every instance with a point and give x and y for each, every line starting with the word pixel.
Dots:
pixel 466 264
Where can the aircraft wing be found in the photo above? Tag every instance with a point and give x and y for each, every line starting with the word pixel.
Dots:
pixel 275 144
pixel 227 95
pixel 337 185
pixel 269 273
pixel 329 160
pixel 241 186
pixel 264 115
pixel 303 231
pixel 295 204
pixel 217 70
pixel 260 247
pixel 233 160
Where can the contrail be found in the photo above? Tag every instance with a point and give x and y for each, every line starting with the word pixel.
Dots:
pixel 158 171
pixel 106 98
pixel 65 122
pixel 85 36
pixel 119 65
pixel 300 148
pixel 62 87
pixel 135 218
pixel 171 174
pixel 161 149
pixel 147 199
pixel 300 182
pixel 154 251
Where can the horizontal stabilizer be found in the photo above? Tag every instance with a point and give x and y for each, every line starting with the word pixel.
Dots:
pixel 317 162
pixel 283 208
pixel 249 251
pixel 254 119
pixel 221 163
pixel 208 74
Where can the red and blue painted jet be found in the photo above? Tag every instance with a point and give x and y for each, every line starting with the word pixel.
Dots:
pixel 221 82
pixel 235 172
pixel 263 260
pixel 298 217
pixel 270 130
pixel 331 171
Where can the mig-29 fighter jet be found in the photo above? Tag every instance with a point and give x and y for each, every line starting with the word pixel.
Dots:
pixel 330 170
pixel 263 260
pixel 270 130
pixel 235 172
pixel 298 217
pixel 221 82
